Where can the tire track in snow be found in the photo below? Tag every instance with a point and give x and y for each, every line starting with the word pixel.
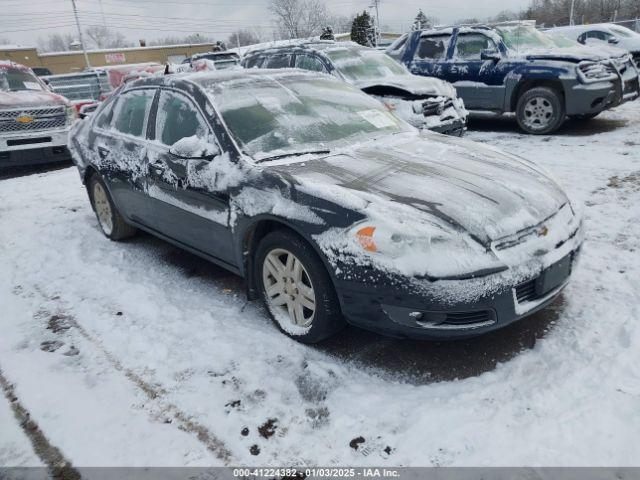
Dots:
pixel 154 393
pixel 59 467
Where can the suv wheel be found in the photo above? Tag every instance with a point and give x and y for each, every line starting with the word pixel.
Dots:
pixel 296 288
pixel 110 220
pixel 540 111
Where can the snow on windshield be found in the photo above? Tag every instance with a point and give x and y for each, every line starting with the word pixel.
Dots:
pixel 281 115
pixel 524 37
pixel 361 63
pixel 17 80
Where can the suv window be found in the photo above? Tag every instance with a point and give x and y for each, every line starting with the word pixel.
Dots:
pixel 106 115
pixel 132 110
pixel 433 47
pixel 278 61
pixel 470 46
pixel 308 62
pixel 254 61
pixel 178 118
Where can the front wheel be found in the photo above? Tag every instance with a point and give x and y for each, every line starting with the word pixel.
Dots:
pixel 540 111
pixel 296 288
pixel 110 220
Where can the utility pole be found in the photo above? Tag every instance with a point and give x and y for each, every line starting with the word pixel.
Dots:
pixel 573 8
pixel 104 20
pixel 84 50
pixel 376 4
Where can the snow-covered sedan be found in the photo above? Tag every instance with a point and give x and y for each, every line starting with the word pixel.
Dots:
pixel 423 102
pixel 332 209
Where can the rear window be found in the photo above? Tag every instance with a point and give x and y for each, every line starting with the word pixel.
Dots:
pixel 433 47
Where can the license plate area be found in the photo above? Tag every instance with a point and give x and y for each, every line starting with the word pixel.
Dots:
pixel 554 276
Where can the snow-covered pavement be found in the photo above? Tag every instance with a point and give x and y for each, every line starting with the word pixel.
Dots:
pixel 140 354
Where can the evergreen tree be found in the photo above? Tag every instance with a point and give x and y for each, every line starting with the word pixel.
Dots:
pixel 421 21
pixel 362 30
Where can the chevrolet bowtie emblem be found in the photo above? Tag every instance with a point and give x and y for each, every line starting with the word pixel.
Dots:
pixel 24 118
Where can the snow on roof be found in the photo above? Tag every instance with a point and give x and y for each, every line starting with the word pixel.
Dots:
pixel 128 49
pixel 16 47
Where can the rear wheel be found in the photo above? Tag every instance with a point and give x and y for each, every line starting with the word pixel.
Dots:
pixel 110 220
pixel 296 288
pixel 540 111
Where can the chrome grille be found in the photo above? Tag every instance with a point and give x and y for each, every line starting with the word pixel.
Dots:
pixel 43 119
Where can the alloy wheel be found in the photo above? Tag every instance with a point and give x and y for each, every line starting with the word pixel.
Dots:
pixel 538 113
pixel 288 287
pixel 103 208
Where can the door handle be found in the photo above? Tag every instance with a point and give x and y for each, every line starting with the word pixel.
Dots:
pixel 103 152
pixel 157 169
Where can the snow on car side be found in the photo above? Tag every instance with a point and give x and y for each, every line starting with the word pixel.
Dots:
pixel 423 102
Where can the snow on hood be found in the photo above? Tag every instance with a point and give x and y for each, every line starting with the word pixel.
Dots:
pixel 572 54
pixel 30 98
pixel 473 189
pixel 411 83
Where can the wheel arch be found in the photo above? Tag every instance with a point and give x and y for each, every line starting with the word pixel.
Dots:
pixel 255 231
pixel 528 83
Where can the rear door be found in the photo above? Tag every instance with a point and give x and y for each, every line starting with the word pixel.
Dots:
pixel 120 145
pixel 479 82
pixel 185 202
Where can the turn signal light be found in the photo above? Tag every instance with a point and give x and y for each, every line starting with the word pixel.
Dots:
pixel 365 239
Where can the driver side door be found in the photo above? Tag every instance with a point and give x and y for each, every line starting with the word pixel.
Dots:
pixel 185 204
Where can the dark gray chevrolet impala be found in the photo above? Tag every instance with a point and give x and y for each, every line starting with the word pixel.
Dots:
pixel 332 209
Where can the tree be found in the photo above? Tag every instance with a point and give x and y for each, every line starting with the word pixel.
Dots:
pixel 362 30
pixel 421 21
pixel 56 42
pixel 327 34
pixel 243 38
pixel 103 37
pixel 191 39
pixel 300 18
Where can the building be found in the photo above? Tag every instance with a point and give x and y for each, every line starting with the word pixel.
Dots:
pixel 73 61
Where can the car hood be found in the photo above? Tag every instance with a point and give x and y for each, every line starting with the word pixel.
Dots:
pixel 30 99
pixel 476 189
pixel 568 54
pixel 414 84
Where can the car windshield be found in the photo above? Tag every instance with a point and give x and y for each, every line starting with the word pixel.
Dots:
pixel 364 64
pixel 281 115
pixel 524 37
pixel 562 41
pixel 15 80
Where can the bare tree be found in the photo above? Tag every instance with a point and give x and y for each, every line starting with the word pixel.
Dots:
pixel 243 38
pixel 193 38
pixel 103 37
pixel 300 18
pixel 56 42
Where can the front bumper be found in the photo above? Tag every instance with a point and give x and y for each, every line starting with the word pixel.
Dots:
pixel 409 307
pixel 22 149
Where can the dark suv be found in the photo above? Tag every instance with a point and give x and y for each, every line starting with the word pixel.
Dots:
pixel 516 68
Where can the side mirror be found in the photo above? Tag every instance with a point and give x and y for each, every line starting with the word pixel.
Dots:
pixel 194 148
pixel 614 40
pixel 492 55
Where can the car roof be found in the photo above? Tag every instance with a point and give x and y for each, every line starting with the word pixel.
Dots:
pixel 309 45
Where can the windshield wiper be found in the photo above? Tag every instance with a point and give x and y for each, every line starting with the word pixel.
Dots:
pixel 294 154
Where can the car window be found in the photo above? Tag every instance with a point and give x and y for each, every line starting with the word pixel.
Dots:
pixel 308 62
pixel 470 46
pixel 131 112
pixel 178 118
pixel 104 118
pixel 253 62
pixel 399 43
pixel 598 35
pixel 433 47
pixel 278 61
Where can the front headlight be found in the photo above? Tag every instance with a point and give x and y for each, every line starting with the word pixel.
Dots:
pixel 431 251
pixel 72 114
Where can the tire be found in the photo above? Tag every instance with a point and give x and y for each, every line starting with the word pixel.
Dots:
pixel 540 111
pixel 585 117
pixel 111 222
pixel 288 297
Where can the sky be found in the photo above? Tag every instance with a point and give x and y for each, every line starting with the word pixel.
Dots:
pixel 23 21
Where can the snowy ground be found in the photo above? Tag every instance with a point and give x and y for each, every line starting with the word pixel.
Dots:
pixel 140 354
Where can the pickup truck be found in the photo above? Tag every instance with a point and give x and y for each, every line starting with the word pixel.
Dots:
pixel 34 121
pixel 514 67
